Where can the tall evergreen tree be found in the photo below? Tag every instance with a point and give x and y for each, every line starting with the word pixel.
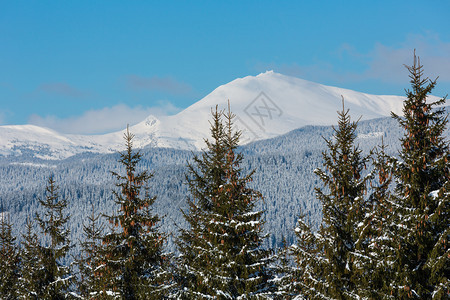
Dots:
pixel 221 252
pixel 9 258
pixel 133 254
pixel 421 203
pixel 326 258
pixel 56 276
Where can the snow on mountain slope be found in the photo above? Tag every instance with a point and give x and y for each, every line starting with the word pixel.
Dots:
pixel 271 104
pixel 266 105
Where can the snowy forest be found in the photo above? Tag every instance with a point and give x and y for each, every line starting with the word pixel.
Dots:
pixel 355 211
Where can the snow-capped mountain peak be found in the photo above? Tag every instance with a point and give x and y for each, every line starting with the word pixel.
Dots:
pixel 266 105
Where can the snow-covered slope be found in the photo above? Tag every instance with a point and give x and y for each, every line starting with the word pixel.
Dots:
pixel 271 104
pixel 266 105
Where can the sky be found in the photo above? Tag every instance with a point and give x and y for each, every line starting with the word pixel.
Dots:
pixel 91 67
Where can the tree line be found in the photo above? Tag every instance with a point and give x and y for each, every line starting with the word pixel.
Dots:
pixel 384 233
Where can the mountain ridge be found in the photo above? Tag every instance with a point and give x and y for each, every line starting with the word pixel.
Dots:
pixel 267 105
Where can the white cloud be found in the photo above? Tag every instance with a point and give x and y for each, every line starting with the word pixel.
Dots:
pixel 386 61
pixel 103 120
pixel 383 62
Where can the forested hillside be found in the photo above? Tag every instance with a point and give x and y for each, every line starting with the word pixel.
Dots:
pixel 284 174
pixel 361 208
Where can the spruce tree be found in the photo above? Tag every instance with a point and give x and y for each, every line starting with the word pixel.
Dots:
pixel 9 258
pixel 90 263
pixel 56 276
pixel 133 252
pixel 373 252
pixel 287 272
pixel 420 208
pixel 221 252
pixel 326 259
pixel 31 283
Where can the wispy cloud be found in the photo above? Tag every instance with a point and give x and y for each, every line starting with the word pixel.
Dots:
pixel 434 54
pixel 61 89
pixel 103 120
pixel 162 84
pixel 382 62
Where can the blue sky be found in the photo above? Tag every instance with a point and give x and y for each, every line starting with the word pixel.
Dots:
pixel 94 66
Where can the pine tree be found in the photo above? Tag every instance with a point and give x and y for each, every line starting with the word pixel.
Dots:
pixel 31 283
pixel 56 276
pixel 91 262
pixel 221 252
pixel 133 254
pixel 420 203
pixel 9 258
pixel 326 259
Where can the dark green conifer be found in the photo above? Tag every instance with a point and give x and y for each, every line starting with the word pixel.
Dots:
pixel 287 271
pixel 133 252
pixel 222 253
pixel 90 262
pixel 31 283
pixel 326 259
pixel 55 277
pixel 9 258
pixel 420 206
pixel 373 249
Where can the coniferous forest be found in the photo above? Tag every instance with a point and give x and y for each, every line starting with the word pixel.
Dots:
pixel 384 231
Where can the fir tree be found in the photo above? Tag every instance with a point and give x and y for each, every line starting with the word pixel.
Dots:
pixel 55 276
pixel 326 258
pixel 221 251
pixel 133 254
pixel 9 258
pixel 420 203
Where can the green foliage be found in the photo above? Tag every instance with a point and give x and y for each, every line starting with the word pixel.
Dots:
pixel 392 244
pixel 55 277
pixel 90 261
pixel 43 273
pixel 31 280
pixel 9 258
pixel 327 259
pixel 221 251
pixel 134 264
pixel 420 203
pixel 372 256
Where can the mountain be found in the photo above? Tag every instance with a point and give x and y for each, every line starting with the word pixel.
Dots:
pixel 284 174
pixel 267 105
pixel 283 163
